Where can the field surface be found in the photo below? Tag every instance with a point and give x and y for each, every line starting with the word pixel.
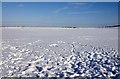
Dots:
pixel 59 52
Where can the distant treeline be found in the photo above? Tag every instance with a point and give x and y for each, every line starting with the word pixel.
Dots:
pixel 93 27
pixel 70 27
pixel 112 26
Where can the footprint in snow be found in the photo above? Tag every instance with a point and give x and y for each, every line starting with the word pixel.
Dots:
pixel 53 45
pixel 39 68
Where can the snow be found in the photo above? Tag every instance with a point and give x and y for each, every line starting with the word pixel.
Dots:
pixel 59 52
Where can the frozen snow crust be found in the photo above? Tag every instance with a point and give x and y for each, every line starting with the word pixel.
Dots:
pixel 55 57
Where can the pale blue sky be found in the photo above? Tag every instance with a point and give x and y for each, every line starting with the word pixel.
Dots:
pixel 0 14
pixel 60 0
pixel 60 13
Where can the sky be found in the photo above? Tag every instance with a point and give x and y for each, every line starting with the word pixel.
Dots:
pixel 59 14
pixel 0 14
pixel 60 0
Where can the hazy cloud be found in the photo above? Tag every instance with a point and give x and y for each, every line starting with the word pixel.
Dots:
pixel 20 5
pixel 72 5
pixel 77 3
pixel 85 12
pixel 60 9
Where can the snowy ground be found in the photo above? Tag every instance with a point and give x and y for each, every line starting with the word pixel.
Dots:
pixel 59 52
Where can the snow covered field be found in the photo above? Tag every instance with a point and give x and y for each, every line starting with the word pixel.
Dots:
pixel 59 52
